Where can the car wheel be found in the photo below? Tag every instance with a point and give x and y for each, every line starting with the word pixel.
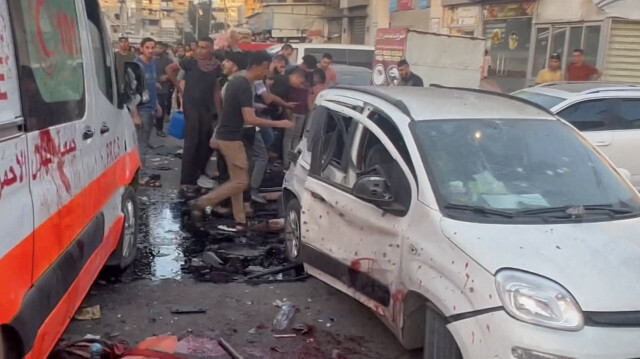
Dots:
pixel 438 341
pixel 125 253
pixel 293 232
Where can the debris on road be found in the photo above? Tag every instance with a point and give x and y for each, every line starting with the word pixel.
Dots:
pixel 186 309
pixel 281 321
pixel 284 335
pixel 88 313
pixel 227 348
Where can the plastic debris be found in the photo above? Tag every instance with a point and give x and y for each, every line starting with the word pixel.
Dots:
pixel 88 313
pixel 281 321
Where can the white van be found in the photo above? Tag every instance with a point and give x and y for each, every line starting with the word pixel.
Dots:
pixel 68 163
pixel 351 55
pixel 474 224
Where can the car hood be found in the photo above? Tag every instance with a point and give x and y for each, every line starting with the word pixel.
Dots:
pixel 599 263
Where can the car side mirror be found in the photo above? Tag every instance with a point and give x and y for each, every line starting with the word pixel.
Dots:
pixel 135 84
pixel 374 189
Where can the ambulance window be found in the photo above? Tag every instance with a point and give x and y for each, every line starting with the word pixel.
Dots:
pixel 102 61
pixel 49 55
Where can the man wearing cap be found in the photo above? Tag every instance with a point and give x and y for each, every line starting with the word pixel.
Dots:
pixel 553 73
pixel 123 55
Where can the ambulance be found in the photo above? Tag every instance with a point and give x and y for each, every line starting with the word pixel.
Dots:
pixel 68 165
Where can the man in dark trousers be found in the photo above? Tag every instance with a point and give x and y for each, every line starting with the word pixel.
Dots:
pixel 238 112
pixel 165 90
pixel 201 100
pixel 408 78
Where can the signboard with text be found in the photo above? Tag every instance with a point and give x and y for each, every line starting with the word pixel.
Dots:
pixel 390 47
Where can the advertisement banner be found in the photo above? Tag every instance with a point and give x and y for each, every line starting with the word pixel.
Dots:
pixel 404 5
pixel 390 48
pixel 393 5
pixel 505 11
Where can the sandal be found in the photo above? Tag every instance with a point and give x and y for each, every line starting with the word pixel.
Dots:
pixel 239 228
pixel 151 183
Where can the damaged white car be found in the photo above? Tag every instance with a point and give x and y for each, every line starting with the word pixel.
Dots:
pixel 474 224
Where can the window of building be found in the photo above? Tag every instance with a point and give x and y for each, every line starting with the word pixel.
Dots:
pixel 562 40
pixel 52 83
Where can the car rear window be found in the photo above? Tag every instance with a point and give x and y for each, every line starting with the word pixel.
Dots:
pixel 547 101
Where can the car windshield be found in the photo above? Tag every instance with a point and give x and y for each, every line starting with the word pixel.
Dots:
pixel 547 101
pixel 503 169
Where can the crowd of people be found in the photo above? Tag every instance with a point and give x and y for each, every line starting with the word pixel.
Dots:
pixel 247 109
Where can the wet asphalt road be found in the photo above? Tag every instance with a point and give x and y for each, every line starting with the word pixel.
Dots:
pixel 168 272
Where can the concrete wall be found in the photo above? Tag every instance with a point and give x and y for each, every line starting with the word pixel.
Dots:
pixel 567 11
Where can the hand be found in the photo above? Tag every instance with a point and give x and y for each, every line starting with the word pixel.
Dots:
pixel 285 124
pixel 158 86
pixel 164 78
pixel 291 105
pixel 136 119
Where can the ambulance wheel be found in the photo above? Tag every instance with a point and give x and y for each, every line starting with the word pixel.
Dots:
pixel 10 343
pixel 438 341
pixel 125 253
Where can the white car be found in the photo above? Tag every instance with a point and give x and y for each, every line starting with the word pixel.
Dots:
pixel 608 114
pixel 344 54
pixel 475 224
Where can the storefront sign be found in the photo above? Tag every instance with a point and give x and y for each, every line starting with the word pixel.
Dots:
pixel 389 49
pixel 505 11
pixel 393 5
pixel 425 4
pixel 404 5
pixel 462 16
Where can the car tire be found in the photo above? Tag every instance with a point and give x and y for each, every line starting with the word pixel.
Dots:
pixel 438 341
pixel 125 253
pixel 293 230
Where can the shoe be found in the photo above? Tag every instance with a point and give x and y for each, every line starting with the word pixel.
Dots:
pixel 206 182
pixel 188 193
pixel 161 134
pixel 255 197
pixel 237 228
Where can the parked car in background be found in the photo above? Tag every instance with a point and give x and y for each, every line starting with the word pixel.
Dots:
pixel 352 75
pixel 352 55
pixel 464 219
pixel 607 113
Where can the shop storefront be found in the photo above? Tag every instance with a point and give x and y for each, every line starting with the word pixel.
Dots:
pixel 463 20
pixel 606 31
pixel 507 28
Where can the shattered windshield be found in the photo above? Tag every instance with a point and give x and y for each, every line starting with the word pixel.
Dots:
pixel 510 169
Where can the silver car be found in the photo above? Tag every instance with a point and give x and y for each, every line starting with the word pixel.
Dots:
pixel 608 114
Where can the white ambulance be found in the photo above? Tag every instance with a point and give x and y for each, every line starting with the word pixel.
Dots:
pixel 68 160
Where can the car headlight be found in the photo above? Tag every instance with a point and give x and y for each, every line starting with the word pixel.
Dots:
pixel 538 300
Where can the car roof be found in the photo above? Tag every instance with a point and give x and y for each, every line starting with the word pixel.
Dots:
pixel 440 103
pixel 574 89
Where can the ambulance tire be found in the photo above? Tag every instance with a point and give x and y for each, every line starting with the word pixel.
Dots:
pixel 125 253
pixel 10 344
pixel 438 341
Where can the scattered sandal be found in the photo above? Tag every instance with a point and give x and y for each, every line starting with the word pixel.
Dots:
pixel 151 183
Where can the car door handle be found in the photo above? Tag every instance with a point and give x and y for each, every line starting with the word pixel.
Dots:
pixel 603 143
pixel 87 134
pixel 318 197
pixel 104 129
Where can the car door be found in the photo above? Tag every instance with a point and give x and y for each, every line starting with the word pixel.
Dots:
pixel 626 137
pixel 354 243
pixel 16 207
pixel 594 118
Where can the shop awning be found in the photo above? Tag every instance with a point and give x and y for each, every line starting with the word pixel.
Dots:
pixel 627 9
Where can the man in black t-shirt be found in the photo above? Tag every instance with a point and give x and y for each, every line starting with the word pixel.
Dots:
pixel 201 100
pixel 408 78
pixel 237 112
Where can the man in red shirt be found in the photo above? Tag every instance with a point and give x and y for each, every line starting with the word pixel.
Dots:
pixel 578 70
pixel 325 65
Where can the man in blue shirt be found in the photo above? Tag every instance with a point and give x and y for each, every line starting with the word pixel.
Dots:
pixel 144 114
